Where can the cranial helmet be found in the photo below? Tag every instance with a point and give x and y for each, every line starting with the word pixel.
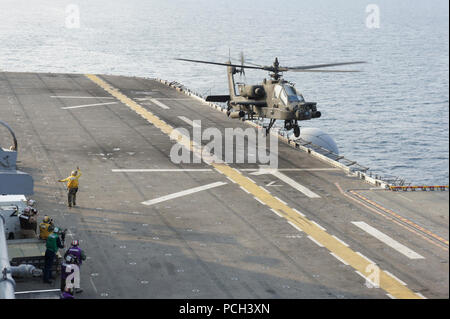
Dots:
pixel 46 219
pixel 75 242
pixel 74 173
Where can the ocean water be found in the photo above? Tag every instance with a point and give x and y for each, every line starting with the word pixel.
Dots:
pixel 393 117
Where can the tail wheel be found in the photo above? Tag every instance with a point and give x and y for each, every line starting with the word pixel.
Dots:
pixel 297 131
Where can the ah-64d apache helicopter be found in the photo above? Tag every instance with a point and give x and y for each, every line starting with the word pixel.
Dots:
pixel 275 98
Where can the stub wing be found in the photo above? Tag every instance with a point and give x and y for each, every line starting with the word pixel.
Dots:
pixel 217 98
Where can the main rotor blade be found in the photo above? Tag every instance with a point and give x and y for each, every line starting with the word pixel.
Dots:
pixel 306 67
pixel 336 71
pixel 225 64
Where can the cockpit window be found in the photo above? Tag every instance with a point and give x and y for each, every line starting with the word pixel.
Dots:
pixel 283 97
pixel 290 90
pixel 292 94
pixel 276 91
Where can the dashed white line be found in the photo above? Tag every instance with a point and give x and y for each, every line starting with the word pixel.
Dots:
pixel 273 210
pixel 281 200
pixel 261 202
pixel 231 180
pixel 400 281
pixel 218 171
pixel 295 226
pixel 244 190
pixel 315 241
pixel 370 261
pixel 264 189
pixel 339 258
pixel 252 181
pixel 420 295
pixel 341 241
pixel 318 225
pixel 298 212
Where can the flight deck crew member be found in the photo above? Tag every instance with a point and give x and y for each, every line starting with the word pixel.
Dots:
pixel 53 244
pixel 44 227
pixel 78 256
pixel 72 186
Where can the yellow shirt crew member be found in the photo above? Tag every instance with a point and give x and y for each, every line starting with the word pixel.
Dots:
pixel 72 186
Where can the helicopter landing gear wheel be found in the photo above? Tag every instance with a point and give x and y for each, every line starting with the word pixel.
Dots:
pixel 297 131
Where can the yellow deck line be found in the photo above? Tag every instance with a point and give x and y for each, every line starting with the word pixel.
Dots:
pixel 391 285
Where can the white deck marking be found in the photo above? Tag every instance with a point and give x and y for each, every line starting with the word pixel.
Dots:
pixel 420 295
pixel 93 286
pixel 244 190
pixel 82 97
pixel 400 281
pixel 318 225
pixel 294 169
pixel 287 180
pixel 295 226
pixel 157 170
pixel 32 291
pixel 273 210
pixel 86 105
pixel 265 189
pixel 295 185
pixel 370 261
pixel 315 241
pixel 271 184
pixel 339 258
pixel 162 98
pixel 298 212
pixel 251 180
pixel 231 180
pixel 341 241
pixel 280 200
pixel 183 193
pixel 388 241
pixel 188 121
pixel 368 280
pixel 258 200
pixel 161 105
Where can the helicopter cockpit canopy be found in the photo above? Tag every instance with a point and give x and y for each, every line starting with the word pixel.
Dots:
pixel 287 94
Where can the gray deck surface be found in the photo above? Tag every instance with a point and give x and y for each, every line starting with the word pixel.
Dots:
pixel 216 243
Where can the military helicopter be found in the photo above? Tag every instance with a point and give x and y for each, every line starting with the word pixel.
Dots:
pixel 274 99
